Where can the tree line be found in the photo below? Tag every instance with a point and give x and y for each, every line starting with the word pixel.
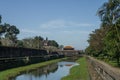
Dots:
pixel 105 41
pixel 8 37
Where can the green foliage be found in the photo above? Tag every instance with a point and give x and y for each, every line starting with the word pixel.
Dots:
pixel 20 43
pixel 96 43
pixel 0 19
pixel 53 43
pixel 111 41
pixel 35 42
pixel 2 30
pixel 105 41
pixel 61 47
pixel 9 31
pixel 109 12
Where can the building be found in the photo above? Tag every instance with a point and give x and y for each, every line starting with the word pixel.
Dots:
pixel 45 42
pixel 68 51
pixel 68 48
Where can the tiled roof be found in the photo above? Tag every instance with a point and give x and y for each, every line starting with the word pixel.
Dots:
pixel 68 47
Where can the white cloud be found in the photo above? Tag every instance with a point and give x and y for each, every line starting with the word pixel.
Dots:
pixel 34 31
pixel 81 24
pixel 53 24
pixel 78 32
pixel 56 24
pixel 28 31
pixel 59 27
pixel 64 32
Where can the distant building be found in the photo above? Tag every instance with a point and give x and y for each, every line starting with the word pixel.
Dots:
pixel 45 42
pixel 68 48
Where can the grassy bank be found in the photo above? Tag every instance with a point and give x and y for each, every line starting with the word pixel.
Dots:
pixel 4 75
pixel 79 72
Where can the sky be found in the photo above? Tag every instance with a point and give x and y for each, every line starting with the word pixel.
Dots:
pixel 69 22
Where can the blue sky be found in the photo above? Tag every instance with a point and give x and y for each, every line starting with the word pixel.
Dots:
pixel 69 22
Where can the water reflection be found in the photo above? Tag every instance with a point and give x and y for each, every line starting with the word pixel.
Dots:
pixel 51 72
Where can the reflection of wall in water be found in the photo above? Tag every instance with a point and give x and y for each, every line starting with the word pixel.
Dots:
pixel 44 70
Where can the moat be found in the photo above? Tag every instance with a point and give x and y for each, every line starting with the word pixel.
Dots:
pixel 50 72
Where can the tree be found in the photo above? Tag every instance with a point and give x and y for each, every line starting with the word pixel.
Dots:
pixel 38 41
pixel 61 47
pixel 2 27
pixel 53 43
pixel 11 33
pixel 0 19
pixel 96 43
pixel 109 12
pixel 28 42
pixel 34 42
pixel 19 43
pixel 110 16
pixel 2 30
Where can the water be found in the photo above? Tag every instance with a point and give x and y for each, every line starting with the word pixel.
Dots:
pixel 51 72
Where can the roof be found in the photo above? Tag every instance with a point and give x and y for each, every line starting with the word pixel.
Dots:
pixel 68 47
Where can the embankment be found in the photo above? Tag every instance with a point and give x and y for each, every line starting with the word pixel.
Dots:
pixel 99 70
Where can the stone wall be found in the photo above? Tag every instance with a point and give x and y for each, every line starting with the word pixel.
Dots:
pixel 69 53
pixel 105 71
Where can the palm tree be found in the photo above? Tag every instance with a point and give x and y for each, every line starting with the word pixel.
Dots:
pixel 109 12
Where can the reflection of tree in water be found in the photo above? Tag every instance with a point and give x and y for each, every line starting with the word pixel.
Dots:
pixel 53 68
pixel 30 77
pixel 61 65
pixel 45 70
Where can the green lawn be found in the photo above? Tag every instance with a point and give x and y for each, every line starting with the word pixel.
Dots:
pixel 4 75
pixel 79 72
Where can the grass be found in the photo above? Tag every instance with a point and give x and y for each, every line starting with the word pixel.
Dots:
pixel 110 62
pixel 5 75
pixel 79 72
pixel 113 63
